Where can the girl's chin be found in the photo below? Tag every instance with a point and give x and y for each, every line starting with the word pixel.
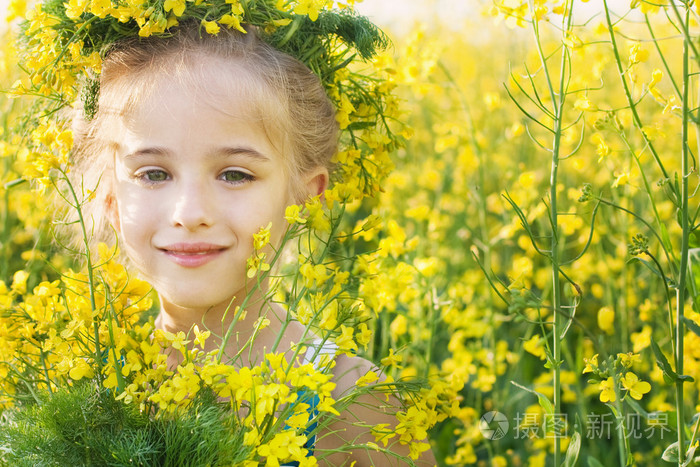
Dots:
pixel 196 302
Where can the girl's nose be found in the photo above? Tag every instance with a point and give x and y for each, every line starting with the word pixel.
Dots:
pixel 193 208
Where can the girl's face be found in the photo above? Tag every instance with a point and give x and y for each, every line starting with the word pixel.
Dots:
pixel 193 183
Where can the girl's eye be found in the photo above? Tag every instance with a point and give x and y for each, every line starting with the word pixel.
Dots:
pixel 153 176
pixel 235 176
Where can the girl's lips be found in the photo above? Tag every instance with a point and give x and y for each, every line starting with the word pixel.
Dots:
pixel 192 255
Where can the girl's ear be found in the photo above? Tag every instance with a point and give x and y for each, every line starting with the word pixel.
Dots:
pixel 317 181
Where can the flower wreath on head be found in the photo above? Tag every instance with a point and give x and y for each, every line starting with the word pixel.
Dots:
pixel 63 43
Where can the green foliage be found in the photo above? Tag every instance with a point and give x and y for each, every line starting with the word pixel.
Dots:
pixel 85 425
pixel 312 41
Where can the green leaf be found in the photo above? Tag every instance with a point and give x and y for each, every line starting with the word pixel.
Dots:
pixel 636 407
pixel 665 238
pixel 541 398
pixel 694 239
pixel 573 450
pixel 670 376
pixel 692 325
pixel 593 462
pixel 651 267
pixel 671 453
pixel 690 455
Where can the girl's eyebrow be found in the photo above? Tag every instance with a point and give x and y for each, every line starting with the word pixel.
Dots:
pixel 155 151
pixel 242 151
pixel 223 151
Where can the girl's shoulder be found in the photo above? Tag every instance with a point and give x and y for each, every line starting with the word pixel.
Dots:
pixel 348 369
pixel 358 414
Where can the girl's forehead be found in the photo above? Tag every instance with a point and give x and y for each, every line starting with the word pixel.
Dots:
pixel 226 86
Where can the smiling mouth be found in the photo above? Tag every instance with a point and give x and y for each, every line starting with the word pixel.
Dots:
pixel 193 254
pixel 192 248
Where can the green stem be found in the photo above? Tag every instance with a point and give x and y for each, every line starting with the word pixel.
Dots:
pixel 661 55
pixel 90 271
pixel 680 292
pixel 557 107
pixel 648 191
pixel 628 93
pixel 622 441
pixel 687 39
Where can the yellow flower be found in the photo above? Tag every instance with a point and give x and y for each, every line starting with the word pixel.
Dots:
pixel 75 8
pixel 628 359
pixel 606 320
pixel 672 105
pixel 16 9
pixel 591 364
pixel 638 54
pixel 656 76
pixel 535 346
pixel 621 179
pixel 262 238
pixel 364 335
pixel 232 21
pixel 635 386
pixel 391 359
pixel 317 219
pixel 345 342
pixel 314 275
pixel 583 104
pixel 211 27
pixel 293 214
pixel 342 116
pixel 100 7
pixel 641 340
pixel 398 327
pixel 284 445
pixel 382 432
pixel 607 390
pixel 261 323
pixel 81 369
pixel 310 8
pixel 19 282
pixel 602 149
pixel 256 263
pixel 368 378
pixel 329 316
pixel 326 405
pixel 200 337
pixel 252 437
pixel 176 6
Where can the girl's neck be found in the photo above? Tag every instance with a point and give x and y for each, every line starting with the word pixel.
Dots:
pixel 226 322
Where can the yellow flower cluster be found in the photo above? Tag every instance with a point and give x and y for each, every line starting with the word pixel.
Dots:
pixel 73 329
pixel 444 218
pixel 51 335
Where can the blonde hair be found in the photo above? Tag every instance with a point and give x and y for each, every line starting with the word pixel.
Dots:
pixel 286 96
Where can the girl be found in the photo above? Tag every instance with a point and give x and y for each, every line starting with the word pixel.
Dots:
pixel 199 141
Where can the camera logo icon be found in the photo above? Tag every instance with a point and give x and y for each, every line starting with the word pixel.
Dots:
pixel 493 425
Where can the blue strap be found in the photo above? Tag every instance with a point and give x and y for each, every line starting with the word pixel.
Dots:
pixel 312 400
